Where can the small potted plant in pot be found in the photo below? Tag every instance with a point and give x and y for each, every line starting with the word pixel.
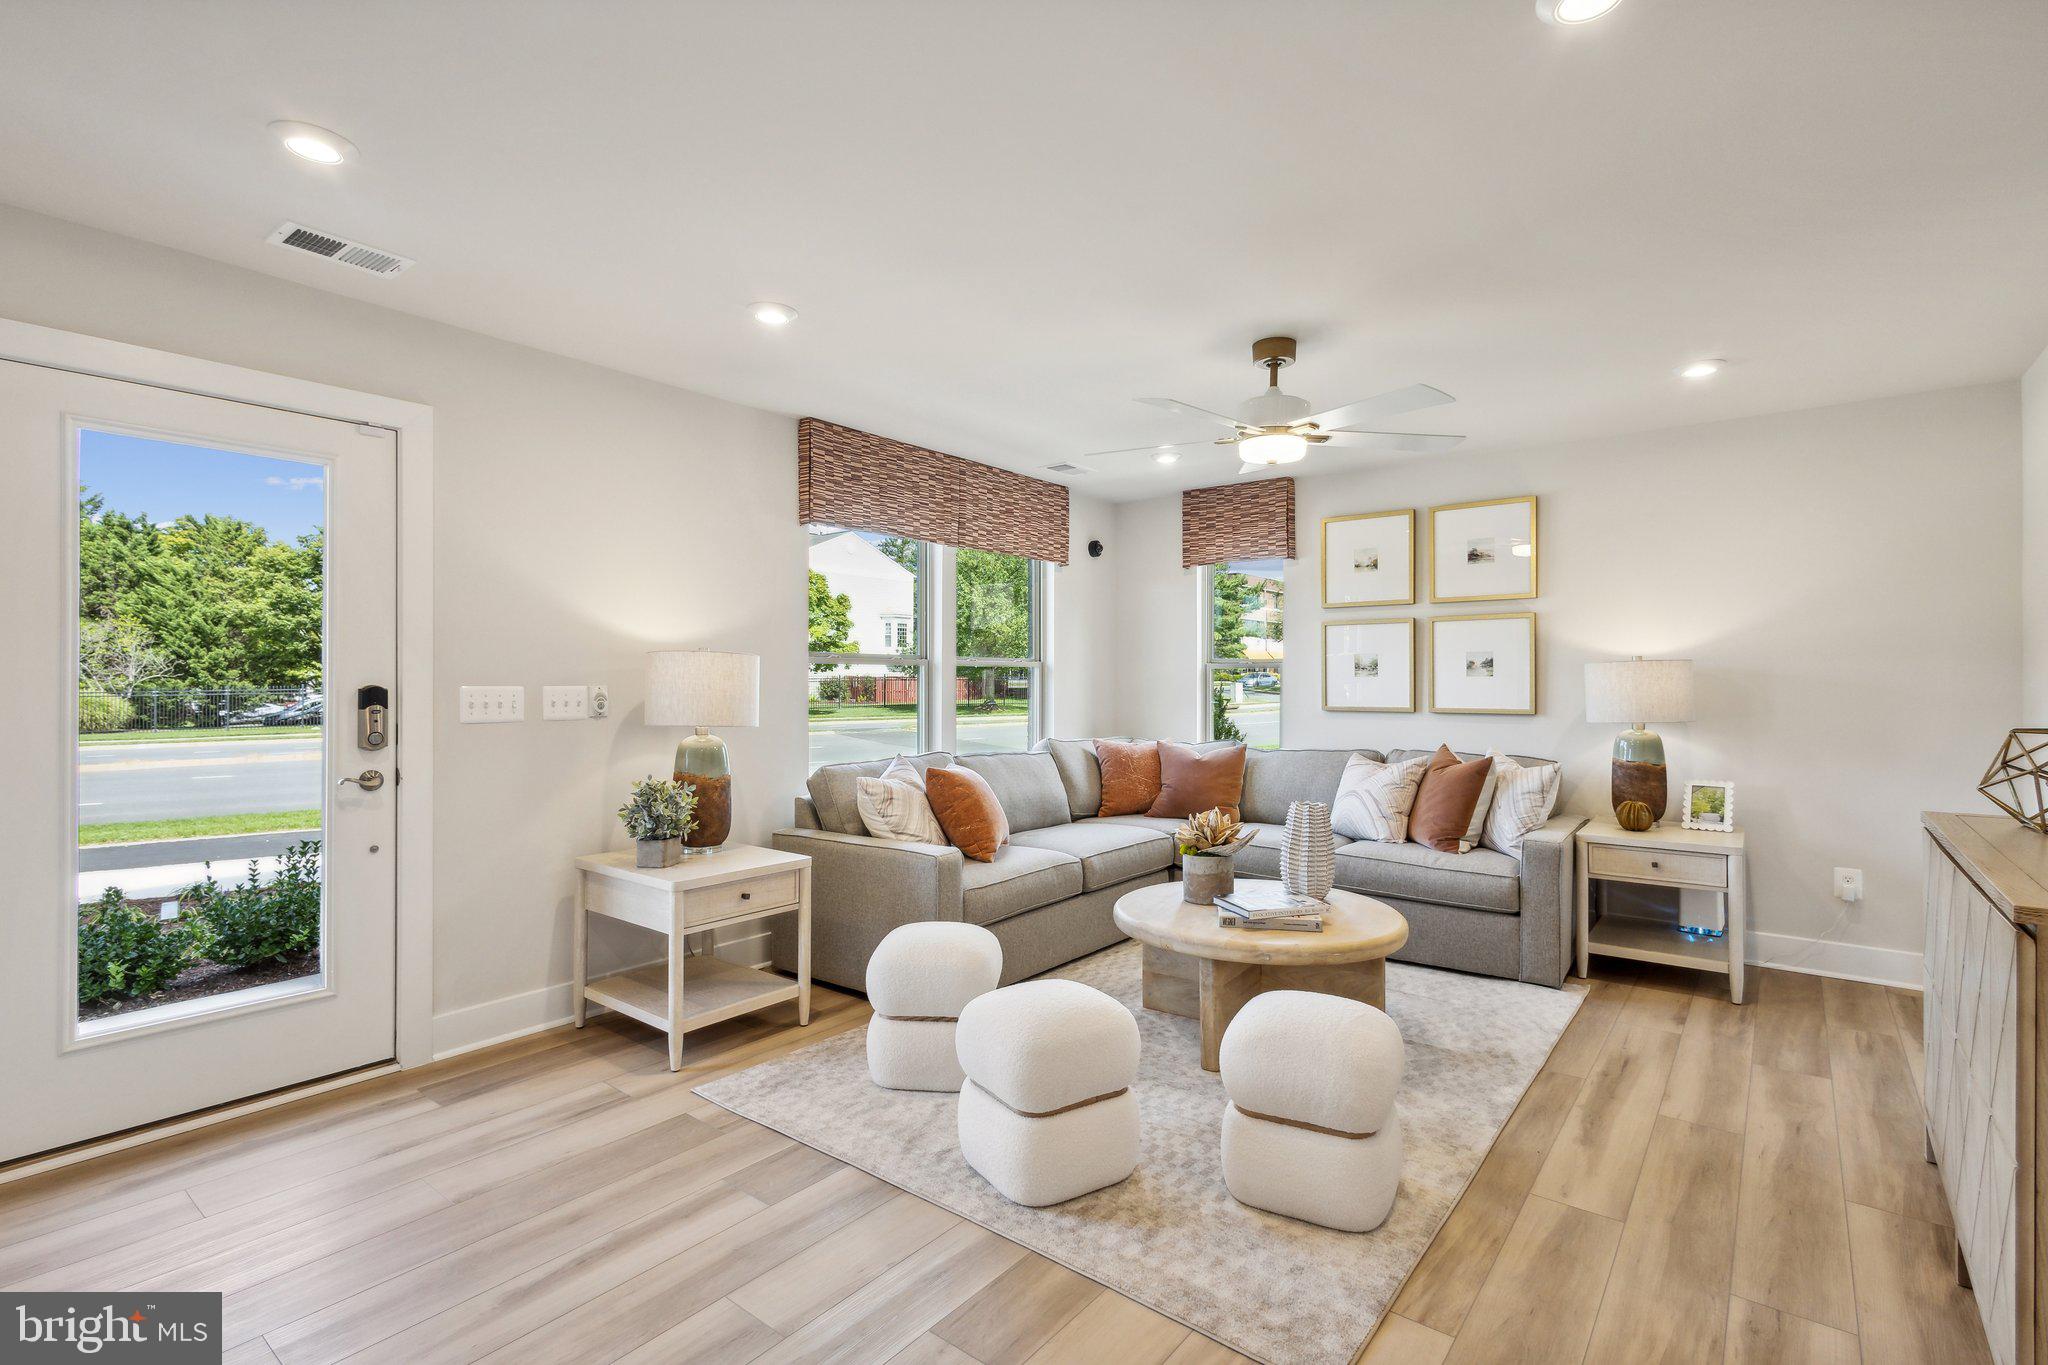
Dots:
pixel 1207 843
pixel 658 814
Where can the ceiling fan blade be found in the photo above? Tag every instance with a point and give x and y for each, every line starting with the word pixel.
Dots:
pixel 1178 448
pixel 1411 399
pixel 1174 405
pixel 1406 442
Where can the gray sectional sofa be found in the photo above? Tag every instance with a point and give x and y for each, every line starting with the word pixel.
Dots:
pixel 1049 893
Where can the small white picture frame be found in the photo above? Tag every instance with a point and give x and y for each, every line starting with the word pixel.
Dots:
pixel 1369 559
pixel 1710 806
pixel 1369 665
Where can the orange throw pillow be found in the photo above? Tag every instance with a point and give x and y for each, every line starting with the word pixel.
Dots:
pixel 1193 780
pixel 1444 804
pixel 968 811
pixel 1130 775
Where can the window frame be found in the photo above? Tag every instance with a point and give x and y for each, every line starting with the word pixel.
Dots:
pixel 1039 584
pixel 921 597
pixel 1210 664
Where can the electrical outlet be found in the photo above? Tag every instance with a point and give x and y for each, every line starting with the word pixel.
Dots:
pixel 493 705
pixel 1848 883
pixel 564 703
pixel 600 701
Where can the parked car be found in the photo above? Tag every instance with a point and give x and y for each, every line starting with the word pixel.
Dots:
pixel 307 712
pixel 254 715
pixel 1261 682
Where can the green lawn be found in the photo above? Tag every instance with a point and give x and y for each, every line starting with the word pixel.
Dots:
pixel 198 826
pixel 189 736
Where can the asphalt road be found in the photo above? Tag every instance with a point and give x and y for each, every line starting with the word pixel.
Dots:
pixel 122 782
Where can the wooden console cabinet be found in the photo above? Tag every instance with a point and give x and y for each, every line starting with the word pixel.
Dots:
pixel 1986 1041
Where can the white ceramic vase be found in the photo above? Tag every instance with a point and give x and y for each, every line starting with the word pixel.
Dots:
pixel 1308 855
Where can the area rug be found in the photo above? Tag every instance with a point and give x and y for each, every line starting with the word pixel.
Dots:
pixel 1171 1237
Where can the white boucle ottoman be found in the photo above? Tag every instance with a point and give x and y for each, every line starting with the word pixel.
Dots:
pixel 919 979
pixel 1311 1130
pixel 1046 1111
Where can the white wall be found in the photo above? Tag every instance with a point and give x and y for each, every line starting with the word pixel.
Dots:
pixel 2034 540
pixel 582 517
pixel 1847 580
pixel 1084 624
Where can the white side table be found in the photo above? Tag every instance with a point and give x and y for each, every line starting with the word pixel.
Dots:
pixel 1669 855
pixel 736 884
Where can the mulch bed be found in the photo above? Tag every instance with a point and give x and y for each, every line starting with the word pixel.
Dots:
pixel 207 978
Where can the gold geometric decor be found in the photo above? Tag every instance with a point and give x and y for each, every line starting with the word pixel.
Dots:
pixel 2017 780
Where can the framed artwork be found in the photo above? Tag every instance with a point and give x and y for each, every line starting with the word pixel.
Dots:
pixel 1483 665
pixel 1710 805
pixel 1483 551
pixel 1369 559
pixel 1369 665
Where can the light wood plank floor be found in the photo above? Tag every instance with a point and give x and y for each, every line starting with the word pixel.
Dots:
pixel 1685 1181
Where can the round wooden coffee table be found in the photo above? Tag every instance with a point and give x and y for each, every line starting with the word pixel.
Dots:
pixel 1198 969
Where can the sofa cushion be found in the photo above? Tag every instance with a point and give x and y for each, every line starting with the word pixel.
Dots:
pixel 835 789
pixel 1261 857
pixel 1027 785
pixel 968 811
pixel 1273 778
pixel 1479 880
pixel 1109 852
pixel 1080 773
pixel 1018 879
pixel 1130 776
pixel 1195 780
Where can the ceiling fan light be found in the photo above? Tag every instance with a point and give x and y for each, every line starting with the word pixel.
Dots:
pixel 1274 447
pixel 1569 12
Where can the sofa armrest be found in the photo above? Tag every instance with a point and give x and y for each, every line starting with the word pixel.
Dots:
pixel 1548 885
pixel 861 888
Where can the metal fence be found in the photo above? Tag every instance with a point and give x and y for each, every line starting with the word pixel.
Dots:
pixel 183 708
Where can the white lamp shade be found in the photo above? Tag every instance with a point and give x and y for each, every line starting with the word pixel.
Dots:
pixel 703 687
pixel 1639 690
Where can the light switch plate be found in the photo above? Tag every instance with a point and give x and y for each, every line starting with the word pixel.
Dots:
pixel 564 703
pixel 493 705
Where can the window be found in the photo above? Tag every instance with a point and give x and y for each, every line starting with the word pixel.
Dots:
pixel 868 666
pixel 1244 651
pixel 999 664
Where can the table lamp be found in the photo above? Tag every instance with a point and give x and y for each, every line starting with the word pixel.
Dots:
pixel 702 688
pixel 1638 691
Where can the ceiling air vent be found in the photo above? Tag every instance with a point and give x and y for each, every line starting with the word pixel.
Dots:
pixel 339 249
pixel 1066 469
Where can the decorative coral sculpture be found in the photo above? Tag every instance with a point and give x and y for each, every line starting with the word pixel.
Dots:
pixel 2017 780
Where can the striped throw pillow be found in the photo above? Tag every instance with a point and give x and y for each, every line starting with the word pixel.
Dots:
pixel 1523 798
pixel 1373 799
pixel 894 806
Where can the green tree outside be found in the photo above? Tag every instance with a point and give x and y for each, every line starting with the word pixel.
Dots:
pixel 831 620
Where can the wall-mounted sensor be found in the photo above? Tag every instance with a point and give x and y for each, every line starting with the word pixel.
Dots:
pixel 1095 549
pixel 600 701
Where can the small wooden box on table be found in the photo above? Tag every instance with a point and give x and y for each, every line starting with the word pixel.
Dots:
pixel 735 884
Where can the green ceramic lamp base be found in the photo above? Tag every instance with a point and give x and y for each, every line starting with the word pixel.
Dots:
pixel 1639 773
pixel 704 765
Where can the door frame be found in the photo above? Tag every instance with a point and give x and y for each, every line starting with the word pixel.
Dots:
pixel 413 427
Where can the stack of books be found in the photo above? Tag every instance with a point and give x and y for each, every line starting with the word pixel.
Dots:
pixel 1269 905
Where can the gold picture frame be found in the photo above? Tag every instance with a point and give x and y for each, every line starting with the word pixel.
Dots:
pixel 1330 602
pixel 1438 540
pixel 1414 662
pixel 1436 625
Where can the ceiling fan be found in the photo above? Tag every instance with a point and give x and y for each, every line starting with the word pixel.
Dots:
pixel 1278 428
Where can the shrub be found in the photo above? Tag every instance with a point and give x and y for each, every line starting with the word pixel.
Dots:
pixel 1221 726
pixel 125 950
pixel 251 924
pixel 99 714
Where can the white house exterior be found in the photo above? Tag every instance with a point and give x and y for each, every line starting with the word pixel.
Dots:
pixel 883 593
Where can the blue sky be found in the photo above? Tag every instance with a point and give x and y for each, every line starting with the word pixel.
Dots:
pixel 166 480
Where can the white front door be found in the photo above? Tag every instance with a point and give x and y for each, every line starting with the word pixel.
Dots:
pixel 192 593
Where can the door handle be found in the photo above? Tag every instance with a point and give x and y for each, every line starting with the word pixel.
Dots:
pixel 369 781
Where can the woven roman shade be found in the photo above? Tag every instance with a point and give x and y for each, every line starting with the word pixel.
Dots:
pixel 1237 521
pixel 866 482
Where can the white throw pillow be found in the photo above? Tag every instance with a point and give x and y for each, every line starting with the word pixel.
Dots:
pixel 1483 807
pixel 1522 799
pixel 894 806
pixel 1373 799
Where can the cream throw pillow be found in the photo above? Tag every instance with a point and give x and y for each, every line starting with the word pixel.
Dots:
pixel 1373 799
pixel 1475 831
pixel 894 806
pixel 1522 800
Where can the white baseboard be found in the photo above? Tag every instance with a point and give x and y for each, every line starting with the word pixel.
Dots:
pixel 1848 961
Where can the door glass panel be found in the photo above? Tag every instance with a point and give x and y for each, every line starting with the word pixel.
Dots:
pixel 201 595
pixel 992 710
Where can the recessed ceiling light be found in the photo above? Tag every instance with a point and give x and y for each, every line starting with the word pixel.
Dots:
pixel 773 314
pixel 1166 457
pixel 1573 11
pixel 314 143
pixel 1701 369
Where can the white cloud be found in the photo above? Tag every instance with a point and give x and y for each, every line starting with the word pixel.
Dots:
pixel 297 483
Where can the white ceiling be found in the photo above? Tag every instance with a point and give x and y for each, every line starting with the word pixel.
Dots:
pixel 1003 222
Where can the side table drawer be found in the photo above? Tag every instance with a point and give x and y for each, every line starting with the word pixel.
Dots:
pixel 716 903
pixel 1657 865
